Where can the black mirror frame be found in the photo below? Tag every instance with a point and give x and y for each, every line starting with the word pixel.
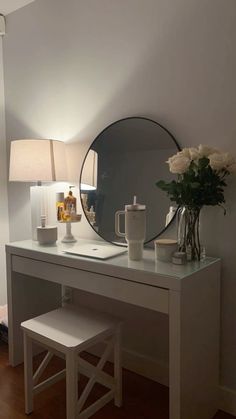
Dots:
pixel 106 128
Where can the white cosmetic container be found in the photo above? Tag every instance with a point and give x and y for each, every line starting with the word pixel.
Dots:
pixel 46 234
pixel 164 249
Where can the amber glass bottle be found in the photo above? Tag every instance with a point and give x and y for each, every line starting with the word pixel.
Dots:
pixel 70 201
pixel 60 206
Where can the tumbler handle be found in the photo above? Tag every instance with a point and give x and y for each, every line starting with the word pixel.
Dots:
pixel 117 223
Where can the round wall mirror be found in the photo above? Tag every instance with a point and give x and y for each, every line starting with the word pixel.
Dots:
pixel 125 160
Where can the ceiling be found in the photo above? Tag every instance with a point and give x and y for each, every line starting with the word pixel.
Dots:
pixel 8 6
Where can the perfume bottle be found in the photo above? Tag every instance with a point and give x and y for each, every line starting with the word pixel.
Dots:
pixel 67 214
pixel 60 206
pixel 70 201
pixel 72 212
pixel 91 215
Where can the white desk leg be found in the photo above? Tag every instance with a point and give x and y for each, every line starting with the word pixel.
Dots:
pixel 174 355
pixel 28 375
pixel 27 297
pixel 194 346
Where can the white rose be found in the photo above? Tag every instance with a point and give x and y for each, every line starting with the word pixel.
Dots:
pixel 178 164
pixel 206 151
pixel 219 161
pixel 229 159
pixel 184 153
pixel 232 168
pixel 230 163
pixel 194 153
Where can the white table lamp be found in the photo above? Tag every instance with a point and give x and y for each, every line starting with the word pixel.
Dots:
pixel 37 161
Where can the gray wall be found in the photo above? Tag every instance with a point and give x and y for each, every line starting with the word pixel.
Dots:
pixel 72 67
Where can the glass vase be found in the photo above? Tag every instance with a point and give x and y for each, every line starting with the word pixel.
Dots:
pixel 189 232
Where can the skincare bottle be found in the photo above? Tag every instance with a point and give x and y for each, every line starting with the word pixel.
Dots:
pixel 72 212
pixel 60 206
pixel 67 214
pixel 70 200
pixel 92 215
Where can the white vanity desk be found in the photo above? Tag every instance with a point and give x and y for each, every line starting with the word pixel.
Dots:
pixel 188 294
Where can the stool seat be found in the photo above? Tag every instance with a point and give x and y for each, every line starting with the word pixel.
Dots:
pixel 70 330
pixel 70 327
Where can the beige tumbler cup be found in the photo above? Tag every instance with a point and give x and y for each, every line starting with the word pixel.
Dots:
pixel 135 228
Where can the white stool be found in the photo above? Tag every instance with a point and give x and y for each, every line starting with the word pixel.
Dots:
pixel 69 331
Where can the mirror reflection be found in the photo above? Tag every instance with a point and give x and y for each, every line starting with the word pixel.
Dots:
pixel 125 160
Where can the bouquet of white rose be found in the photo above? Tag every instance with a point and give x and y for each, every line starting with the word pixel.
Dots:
pixel 201 176
pixel 202 172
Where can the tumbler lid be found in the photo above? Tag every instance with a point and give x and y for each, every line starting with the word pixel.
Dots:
pixel 135 206
pixel 165 242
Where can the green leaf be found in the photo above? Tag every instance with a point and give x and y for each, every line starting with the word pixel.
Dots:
pixel 195 185
pixel 199 186
pixel 161 184
pixel 203 162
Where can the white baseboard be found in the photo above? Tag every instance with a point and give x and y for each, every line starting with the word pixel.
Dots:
pixel 150 368
pixel 227 400
pixel 140 364
pixel 159 372
pixel 146 366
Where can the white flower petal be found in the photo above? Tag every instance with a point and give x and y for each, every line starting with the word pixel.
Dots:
pixel 206 151
pixel 194 153
pixel 179 164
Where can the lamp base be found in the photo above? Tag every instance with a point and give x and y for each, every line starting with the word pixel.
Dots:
pixel 38 207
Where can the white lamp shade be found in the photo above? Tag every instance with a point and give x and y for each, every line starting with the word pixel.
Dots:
pixel 37 160
pixel 89 171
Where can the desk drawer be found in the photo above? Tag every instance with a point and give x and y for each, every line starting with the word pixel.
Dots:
pixel 130 292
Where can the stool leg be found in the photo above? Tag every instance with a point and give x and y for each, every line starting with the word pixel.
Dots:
pixel 28 374
pixel 118 367
pixel 71 385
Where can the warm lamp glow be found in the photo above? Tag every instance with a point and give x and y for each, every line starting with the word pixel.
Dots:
pixel 37 160
pixel 89 172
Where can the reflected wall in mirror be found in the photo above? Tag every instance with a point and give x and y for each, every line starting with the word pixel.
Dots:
pixel 131 158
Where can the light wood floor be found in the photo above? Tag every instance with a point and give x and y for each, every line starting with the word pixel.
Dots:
pixel 143 399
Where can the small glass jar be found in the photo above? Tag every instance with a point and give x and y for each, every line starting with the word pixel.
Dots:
pixel 179 258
